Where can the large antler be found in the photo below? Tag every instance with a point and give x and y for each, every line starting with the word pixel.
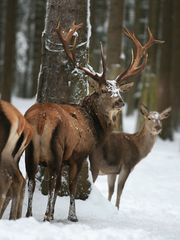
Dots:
pixel 70 37
pixel 139 59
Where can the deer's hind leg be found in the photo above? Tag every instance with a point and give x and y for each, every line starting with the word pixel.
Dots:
pixel 111 183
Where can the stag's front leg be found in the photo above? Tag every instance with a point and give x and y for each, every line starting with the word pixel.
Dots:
pixel 73 176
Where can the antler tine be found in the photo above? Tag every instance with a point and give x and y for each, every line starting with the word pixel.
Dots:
pixel 139 59
pixel 151 40
pixel 67 37
pixel 103 75
pixel 98 77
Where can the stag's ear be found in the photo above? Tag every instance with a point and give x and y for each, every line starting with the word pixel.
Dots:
pixel 144 110
pixel 126 87
pixel 165 113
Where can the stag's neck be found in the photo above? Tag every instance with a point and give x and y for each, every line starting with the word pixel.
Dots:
pixel 99 122
pixel 144 140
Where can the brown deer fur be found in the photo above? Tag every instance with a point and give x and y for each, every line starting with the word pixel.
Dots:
pixel 65 133
pixel 15 134
pixel 122 151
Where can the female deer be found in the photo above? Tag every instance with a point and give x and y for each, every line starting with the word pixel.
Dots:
pixel 119 154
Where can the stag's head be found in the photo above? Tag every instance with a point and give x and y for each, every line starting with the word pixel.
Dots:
pixel 107 96
pixel 153 119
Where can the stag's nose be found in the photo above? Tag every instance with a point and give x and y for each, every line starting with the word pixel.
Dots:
pixel 119 104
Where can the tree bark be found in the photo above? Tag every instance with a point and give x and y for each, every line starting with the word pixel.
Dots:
pixel 56 81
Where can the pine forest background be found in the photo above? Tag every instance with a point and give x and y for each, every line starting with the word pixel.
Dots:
pixel 22 23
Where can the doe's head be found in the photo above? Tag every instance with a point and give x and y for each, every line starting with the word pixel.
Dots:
pixel 153 119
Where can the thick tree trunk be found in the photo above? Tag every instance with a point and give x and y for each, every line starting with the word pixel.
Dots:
pixel 57 83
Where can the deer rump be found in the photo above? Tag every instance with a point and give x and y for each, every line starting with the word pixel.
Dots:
pixel 15 134
pixel 62 135
pixel 61 132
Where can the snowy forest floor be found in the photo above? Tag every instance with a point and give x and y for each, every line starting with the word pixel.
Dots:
pixel 150 204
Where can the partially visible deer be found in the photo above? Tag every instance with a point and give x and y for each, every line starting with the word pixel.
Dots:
pixel 67 133
pixel 119 154
pixel 15 134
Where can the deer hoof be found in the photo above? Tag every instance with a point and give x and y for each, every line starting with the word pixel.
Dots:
pixel 72 218
pixel 48 218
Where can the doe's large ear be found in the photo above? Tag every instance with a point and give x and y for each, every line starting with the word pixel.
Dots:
pixel 144 110
pixel 126 87
pixel 164 114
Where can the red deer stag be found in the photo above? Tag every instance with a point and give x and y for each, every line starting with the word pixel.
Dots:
pixel 67 133
pixel 15 134
pixel 119 154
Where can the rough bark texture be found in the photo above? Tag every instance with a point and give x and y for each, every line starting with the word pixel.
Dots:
pixel 9 50
pixel 57 83
pixel 164 96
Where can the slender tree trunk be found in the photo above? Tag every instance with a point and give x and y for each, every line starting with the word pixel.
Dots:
pixel 164 95
pixel 2 32
pixel 114 43
pixel 36 55
pixel 138 28
pixel 98 18
pixel 175 79
pixel 154 22
pixel 9 50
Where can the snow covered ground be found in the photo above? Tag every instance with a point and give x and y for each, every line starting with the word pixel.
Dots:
pixel 150 205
